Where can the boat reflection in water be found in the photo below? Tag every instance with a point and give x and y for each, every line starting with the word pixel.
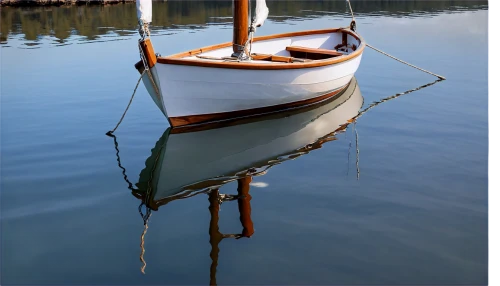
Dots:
pixel 179 167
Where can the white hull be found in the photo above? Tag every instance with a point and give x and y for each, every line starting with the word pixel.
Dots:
pixel 180 164
pixel 190 90
pixel 216 90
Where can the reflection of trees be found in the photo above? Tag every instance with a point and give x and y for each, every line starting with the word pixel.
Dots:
pixel 94 20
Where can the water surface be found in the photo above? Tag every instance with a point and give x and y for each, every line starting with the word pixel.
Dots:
pixel 399 197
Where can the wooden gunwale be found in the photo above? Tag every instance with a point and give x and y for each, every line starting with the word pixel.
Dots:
pixel 178 59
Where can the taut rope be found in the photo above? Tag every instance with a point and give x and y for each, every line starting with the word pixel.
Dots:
pixel 350 8
pixel 401 61
pixel 386 54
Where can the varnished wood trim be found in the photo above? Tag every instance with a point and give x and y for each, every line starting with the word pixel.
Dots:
pixel 262 57
pixel 313 51
pixel 281 59
pixel 206 118
pixel 274 58
pixel 178 59
pixel 149 52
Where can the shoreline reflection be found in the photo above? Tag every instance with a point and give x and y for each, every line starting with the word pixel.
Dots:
pixel 81 23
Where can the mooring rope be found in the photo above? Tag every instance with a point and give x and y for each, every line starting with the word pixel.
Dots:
pixel 392 57
pixel 350 8
pixel 110 133
pixel 413 66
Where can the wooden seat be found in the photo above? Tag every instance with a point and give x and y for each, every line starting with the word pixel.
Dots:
pixel 274 58
pixel 313 51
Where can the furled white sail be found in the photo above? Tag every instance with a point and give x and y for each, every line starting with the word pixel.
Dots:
pixel 144 10
pixel 261 13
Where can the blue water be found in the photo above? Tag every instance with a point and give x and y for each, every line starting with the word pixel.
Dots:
pixel 417 214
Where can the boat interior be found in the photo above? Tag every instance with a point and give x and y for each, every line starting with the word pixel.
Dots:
pixel 285 48
pixel 302 49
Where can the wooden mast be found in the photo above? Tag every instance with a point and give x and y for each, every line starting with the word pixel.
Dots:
pixel 240 25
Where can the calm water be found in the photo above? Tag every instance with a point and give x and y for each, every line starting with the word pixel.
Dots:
pixel 416 215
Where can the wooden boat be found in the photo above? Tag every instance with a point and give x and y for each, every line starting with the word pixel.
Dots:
pixel 178 166
pixel 249 75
